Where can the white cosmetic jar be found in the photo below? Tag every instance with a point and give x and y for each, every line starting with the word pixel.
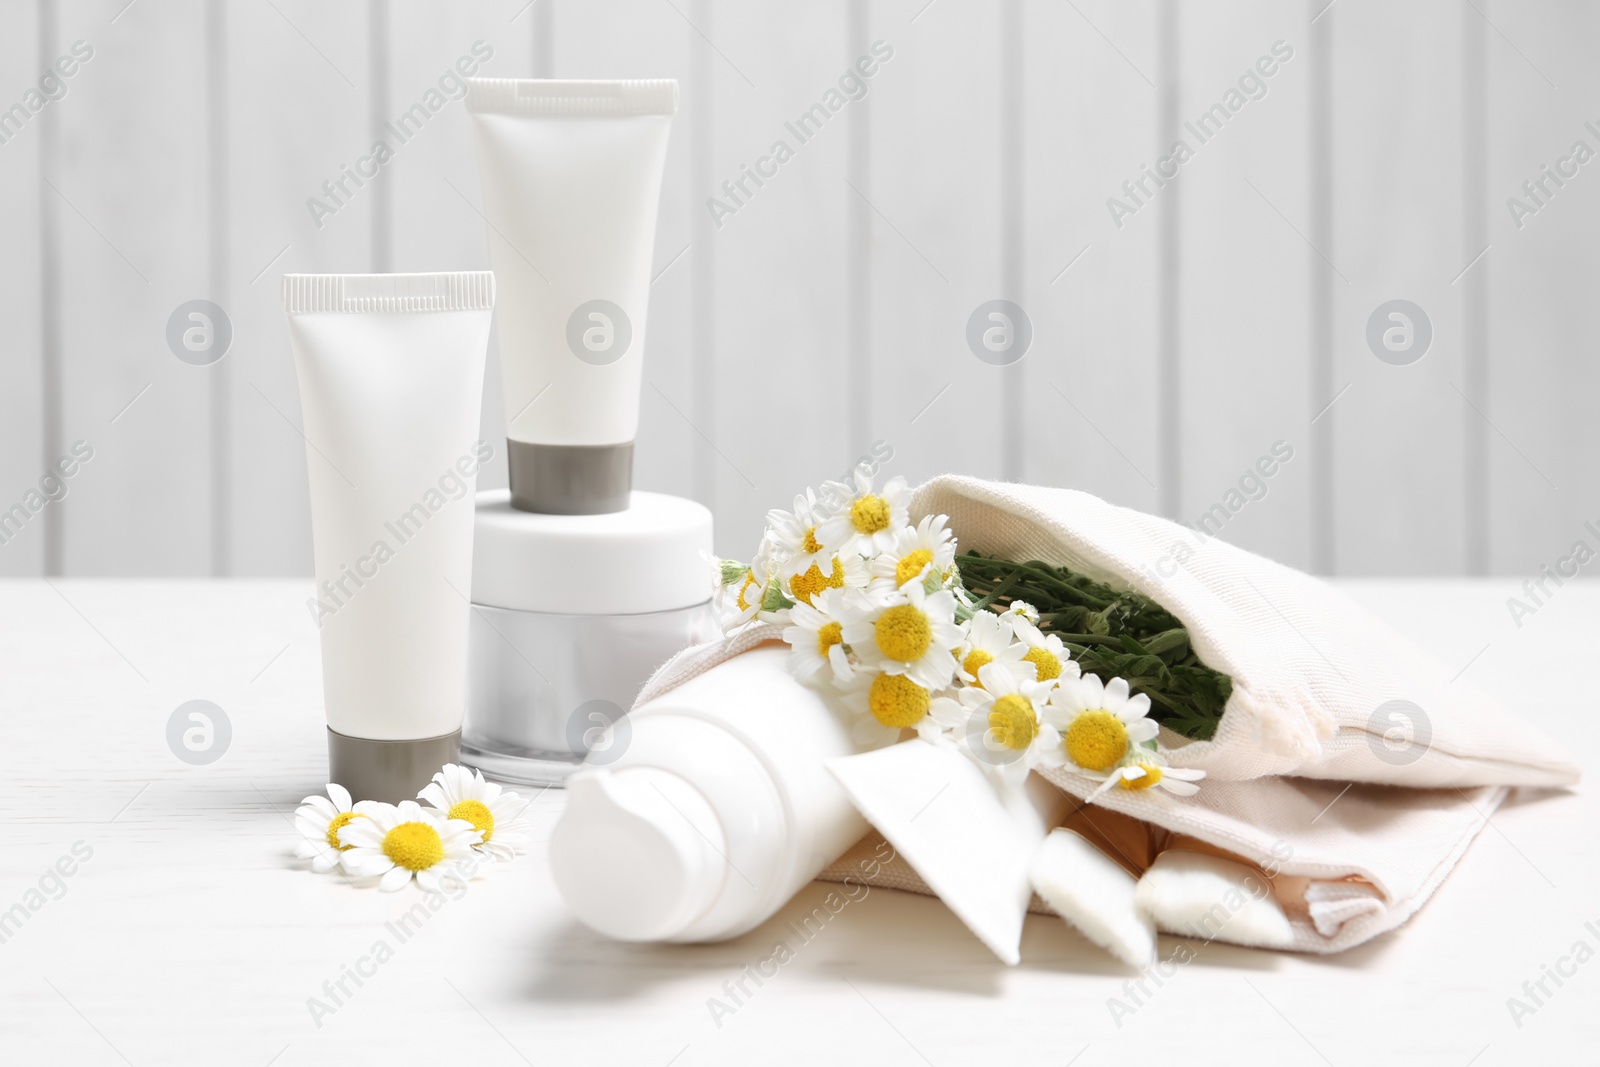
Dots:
pixel 570 616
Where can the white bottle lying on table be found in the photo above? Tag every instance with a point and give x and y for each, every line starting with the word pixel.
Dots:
pixel 715 809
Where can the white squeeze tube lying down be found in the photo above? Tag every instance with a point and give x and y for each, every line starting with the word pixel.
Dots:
pixel 391 385
pixel 718 809
pixel 571 174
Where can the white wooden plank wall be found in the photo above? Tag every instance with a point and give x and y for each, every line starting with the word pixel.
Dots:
pixel 1226 313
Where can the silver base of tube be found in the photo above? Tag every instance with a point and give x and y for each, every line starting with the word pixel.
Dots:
pixel 388 771
pixel 570 479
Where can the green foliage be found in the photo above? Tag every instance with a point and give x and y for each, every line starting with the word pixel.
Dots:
pixel 1112 634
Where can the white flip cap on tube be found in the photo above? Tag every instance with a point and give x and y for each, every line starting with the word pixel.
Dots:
pixel 718 809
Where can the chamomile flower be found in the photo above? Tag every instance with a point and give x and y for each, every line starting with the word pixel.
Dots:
pixel 460 794
pixel 989 640
pixel 1100 724
pixel 794 537
pixel 885 704
pixel 867 524
pixel 911 632
pixel 815 637
pixel 725 572
pixel 742 598
pixel 1146 768
pixel 913 550
pixel 319 820
pixel 1024 610
pixel 845 571
pixel 1050 658
pixel 404 841
pixel 1006 725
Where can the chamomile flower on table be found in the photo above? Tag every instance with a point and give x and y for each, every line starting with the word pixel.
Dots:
pixel 1100 724
pixel 912 632
pixel 869 522
pixel 460 794
pixel 886 704
pixel 319 820
pixel 1050 658
pixel 990 639
pixel 1147 768
pixel 396 843
pixel 1005 720
pixel 915 548
pixel 815 638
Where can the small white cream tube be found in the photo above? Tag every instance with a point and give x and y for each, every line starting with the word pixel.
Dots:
pixel 571 174
pixel 391 385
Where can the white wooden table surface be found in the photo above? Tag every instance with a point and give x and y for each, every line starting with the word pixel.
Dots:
pixel 190 936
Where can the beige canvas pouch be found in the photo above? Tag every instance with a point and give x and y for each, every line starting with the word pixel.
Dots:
pixel 1324 696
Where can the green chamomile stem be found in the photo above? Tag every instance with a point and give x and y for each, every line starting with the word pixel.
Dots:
pixel 988 566
pixel 998 591
pixel 1143 642
pixel 1086 639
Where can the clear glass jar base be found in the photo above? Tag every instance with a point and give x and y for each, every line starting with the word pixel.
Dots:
pixel 523 769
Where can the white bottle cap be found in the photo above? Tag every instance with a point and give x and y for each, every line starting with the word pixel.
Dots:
pixel 649 557
pixel 687 788
pixel 638 853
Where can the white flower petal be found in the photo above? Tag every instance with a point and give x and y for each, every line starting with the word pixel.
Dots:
pixel 394 879
pixel 313 831
pixel 947 713
pixel 366 863
pixel 1142 730
pixel 384 815
pixel 321 806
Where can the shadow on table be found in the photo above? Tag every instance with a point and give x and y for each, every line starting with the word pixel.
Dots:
pixel 887 938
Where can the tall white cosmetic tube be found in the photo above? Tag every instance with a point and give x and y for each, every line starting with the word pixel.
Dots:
pixel 571 174
pixel 391 385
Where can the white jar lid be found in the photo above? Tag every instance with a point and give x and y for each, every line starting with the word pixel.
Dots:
pixel 650 557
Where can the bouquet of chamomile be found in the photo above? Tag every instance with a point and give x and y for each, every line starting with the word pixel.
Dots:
pixel 1020 664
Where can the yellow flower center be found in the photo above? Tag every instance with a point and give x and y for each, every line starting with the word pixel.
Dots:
pixel 478 814
pixel 869 514
pixel 911 565
pixel 1045 664
pixel 975 659
pixel 807 585
pixel 1096 740
pixel 340 821
pixel 413 845
pixel 903 633
pixel 811 545
pixel 1013 722
pixel 896 700
pixel 828 635
pixel 1151 776
pixel 749 580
